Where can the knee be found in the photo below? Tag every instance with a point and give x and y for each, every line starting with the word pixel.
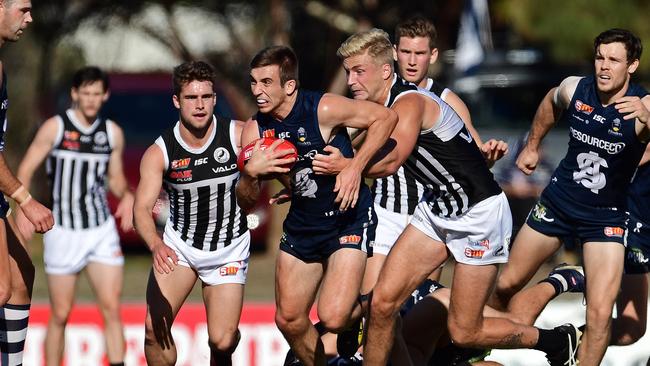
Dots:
pixel 335 323
pixel 157 335
pixel 504 291
pixel 5 293
pixel 633 334
pixel 291 324
pixel 599 316
pixel 111 311
pixel 382 307
pixel 59 315
pixel 224 342
pixel 462 336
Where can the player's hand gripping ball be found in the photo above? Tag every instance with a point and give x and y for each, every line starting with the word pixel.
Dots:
pixel 247 151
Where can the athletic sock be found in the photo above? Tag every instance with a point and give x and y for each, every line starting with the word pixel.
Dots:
pixel 13 331
pixel 557 285
pixel 548 341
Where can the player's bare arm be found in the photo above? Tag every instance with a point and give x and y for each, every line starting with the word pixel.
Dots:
pixel 639 108
pixel 152 167
pixel 411 111
pixel 548 112
pixel 379 121
pixel 35 155
pixel 117 182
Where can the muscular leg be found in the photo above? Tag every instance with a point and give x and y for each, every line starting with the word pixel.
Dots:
pixel 296 283
pixel 528 253
pixel 5 269
pixel 61 290
pixel 632 310
pixel 373 267
pixel 340 289
pixel 527 304
pixel 223 305
pixel 22 268
pixel 410 261
pixel 15 311
pixel 603 264
pixel 165 295
pixel 467 325
pixel 106 281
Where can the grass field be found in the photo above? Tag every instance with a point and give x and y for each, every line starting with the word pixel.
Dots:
pixel 259 287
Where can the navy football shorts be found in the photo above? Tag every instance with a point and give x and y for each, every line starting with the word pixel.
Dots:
pixel 637 253
pixel 562 218
pixel 313 243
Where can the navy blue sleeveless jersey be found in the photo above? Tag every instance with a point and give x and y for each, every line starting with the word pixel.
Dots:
pixel 603 153
pixel 639 196
pixel 312 202
pixel 4 105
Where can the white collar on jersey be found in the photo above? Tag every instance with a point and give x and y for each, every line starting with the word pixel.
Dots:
pixel 193 150
pixel 87 130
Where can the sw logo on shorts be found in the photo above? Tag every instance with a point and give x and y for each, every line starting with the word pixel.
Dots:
pixel 230 270
pixel 539 213
pixel 614 231
pixel 350 239
pixel 476 249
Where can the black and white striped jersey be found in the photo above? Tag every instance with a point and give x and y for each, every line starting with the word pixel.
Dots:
pixel 437 88
pixel 201 184
pixel 77 167
pixel 401 191
pixel 448 162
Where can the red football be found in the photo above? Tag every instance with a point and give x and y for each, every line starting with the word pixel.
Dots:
pixel 247 151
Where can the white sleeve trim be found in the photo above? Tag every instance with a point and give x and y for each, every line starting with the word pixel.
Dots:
pixel 161 145
pixel 565 91
pixel 59 132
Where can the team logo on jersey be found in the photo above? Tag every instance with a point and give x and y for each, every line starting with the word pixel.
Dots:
pixel 539 213
pixel 5 104
pixel 303 185
pixel 71 135
pixel 615 128
pixel 616 232
pixel 221 155
pixel 101 138
pixel 302 136
pixel 270 133
pixel 584 108
pixel 181 163
pixel 350 239
pixel 182 175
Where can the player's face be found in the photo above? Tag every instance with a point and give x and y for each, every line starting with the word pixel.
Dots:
pixel 413 57
pixel 14 18
pixel 612 67
pixel 366 77
pixel 267 88
pixel 195 103
pixel 89 98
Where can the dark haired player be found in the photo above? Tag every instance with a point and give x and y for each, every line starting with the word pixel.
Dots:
pixel 608 119
pixel 83 152
pixel 206 236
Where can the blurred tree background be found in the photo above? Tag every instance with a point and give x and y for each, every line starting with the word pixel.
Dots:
pixel 64 31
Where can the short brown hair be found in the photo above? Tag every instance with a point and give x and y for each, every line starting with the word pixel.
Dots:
pixel 192 71
pixel 374 41
pixel 283 57
pixel 417 26
pixel 632 43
